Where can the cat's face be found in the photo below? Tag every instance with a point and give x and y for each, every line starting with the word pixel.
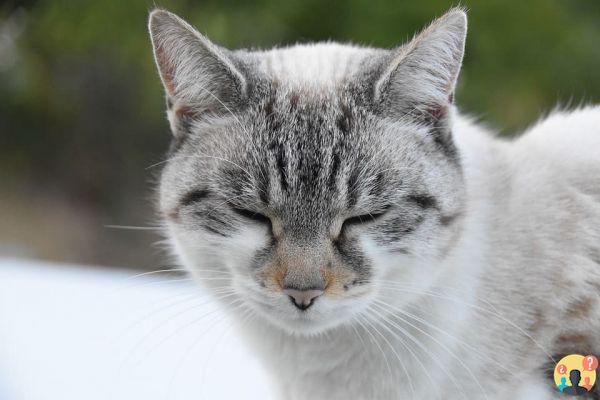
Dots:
pixel 307 200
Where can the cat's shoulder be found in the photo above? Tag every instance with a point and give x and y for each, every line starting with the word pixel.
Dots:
pixel 559 158
pixel 565 136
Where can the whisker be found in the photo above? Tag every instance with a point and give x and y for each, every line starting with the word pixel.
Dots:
pixel 478 308
pixel 135 228
pixel 458 340
pixel 212 271
pixel 443 346
pixel 416 341
pixel 362 325
pixel 455 289
pixel 245 320
pixel 195 343
pixel 158 271
pixel 366 321
pixel 186 298
pixel 133 350
pixel 408 377
pixel 156 283
pixel 358 334
pixel 404 344
pixel 189 324
pixel 193 322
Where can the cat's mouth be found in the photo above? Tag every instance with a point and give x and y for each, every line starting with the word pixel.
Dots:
pixel 306 309
pixel 324 313
pixel 305 322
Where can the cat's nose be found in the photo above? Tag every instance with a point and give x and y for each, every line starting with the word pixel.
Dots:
pixel 303 299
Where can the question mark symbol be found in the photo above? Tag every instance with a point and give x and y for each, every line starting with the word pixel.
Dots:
pixel 590 363
pixel 562 369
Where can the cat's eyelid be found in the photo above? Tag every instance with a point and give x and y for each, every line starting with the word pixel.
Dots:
pixel 193 196
pixel 368 217
pixel 252 215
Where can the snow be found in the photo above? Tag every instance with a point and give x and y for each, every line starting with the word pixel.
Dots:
pixel 73 332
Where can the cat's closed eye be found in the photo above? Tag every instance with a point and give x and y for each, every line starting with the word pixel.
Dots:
pixel 252 215
pixel 364 218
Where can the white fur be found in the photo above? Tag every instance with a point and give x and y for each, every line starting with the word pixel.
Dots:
pixel 312 65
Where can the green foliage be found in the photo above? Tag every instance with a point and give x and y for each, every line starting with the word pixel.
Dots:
pixel 522 56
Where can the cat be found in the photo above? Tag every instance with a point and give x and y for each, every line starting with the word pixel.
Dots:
pixel 371 241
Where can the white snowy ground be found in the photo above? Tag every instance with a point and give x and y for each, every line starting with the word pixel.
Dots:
pixel 73 333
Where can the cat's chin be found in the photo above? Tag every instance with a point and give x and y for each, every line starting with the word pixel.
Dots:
pixel 307 323
pixel 304 326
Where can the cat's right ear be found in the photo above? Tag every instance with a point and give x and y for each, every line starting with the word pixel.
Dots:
pixel 200 78
pixel 420 77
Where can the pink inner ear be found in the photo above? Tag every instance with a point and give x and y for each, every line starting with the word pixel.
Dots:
pixel 186 113
pixel 436 112
pixel 182 112
pixel 166 69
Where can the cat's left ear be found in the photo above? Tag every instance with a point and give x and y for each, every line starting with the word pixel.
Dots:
pixel 200 78
pixel 419 78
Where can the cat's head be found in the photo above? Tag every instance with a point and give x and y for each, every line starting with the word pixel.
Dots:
pixel 308 178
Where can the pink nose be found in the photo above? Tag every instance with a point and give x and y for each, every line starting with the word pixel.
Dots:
pixel 303 298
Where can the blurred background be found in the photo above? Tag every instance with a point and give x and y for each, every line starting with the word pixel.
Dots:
pixel 82 110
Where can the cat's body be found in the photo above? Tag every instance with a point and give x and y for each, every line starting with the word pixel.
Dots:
pixel 480 267
pixel 529 288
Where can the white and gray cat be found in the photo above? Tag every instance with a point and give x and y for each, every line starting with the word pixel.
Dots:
pixel 375 243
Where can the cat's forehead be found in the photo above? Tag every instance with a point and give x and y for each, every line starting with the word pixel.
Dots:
pixel 317 145
pixel 313 125
pixel 300 108
pixel 317 66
